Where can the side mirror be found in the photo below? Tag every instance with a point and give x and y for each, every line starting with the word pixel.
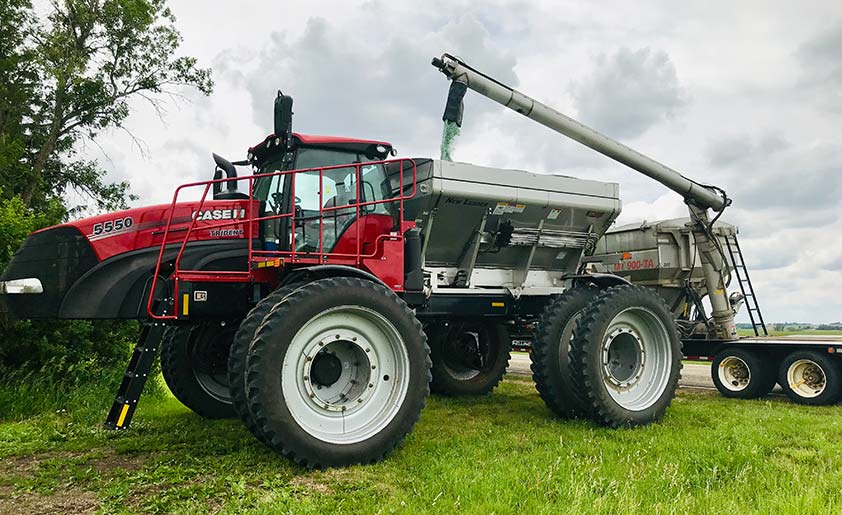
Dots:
pixel 283 116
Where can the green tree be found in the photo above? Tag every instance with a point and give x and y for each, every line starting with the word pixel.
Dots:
pixel 65 78
pixel 74 74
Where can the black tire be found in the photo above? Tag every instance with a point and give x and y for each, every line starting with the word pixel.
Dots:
pixel 633 327
pixel 194 365
pixel 239 353
pixel 743 373
pixel 814 367
pixel 293 331
pixel 469 357
pixel 550 351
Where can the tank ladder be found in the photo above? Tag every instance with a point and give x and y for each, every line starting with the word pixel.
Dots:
pixel 743 279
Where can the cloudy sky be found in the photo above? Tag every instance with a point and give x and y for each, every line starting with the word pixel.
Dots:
pixel 745 95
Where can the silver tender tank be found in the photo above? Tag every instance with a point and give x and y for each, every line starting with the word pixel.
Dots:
pixel 659 254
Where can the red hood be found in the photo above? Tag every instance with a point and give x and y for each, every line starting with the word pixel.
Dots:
pixel 141 227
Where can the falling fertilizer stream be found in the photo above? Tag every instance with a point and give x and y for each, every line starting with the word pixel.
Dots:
pixel 448 137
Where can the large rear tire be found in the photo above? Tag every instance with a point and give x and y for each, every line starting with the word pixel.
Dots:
pixel 194 365
pixel 811 378
pixel 742 373
pixel 239 353
pixel 338 373
pixel 469 357
pixel 550 352
pixel 625 357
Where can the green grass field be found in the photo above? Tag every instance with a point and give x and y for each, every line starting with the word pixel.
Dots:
pixel 503 453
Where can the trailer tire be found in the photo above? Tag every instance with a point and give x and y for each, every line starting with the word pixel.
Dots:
pixel 742 374
pixel 193 363
pixel 455 373
pixel 239 353
pixel 625 357
pixel 338 373
pixel 811 378
pixel 550 352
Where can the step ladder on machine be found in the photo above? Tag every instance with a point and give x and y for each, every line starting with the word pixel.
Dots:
pixel 137 372
pixel 740 271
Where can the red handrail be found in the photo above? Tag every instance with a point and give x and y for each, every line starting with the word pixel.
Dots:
pixel 292 254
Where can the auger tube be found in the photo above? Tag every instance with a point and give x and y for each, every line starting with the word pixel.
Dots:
pixel 692 191
pixel 699 198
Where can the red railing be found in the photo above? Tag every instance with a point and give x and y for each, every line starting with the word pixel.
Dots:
pixel 291 255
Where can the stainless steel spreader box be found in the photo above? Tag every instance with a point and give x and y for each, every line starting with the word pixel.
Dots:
pixel 477 218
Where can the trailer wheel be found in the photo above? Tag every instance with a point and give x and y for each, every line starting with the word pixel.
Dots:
pixel 194 365
pixel 625 357
pixel 811 378
pixel 742 374
pixel 469 357
pixel 338 373
pixel 239 353
pixel 550 351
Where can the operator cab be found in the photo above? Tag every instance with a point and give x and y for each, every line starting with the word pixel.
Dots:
pixel 320 221
pixel 318 205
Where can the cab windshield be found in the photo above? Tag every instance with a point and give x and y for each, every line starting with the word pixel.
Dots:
pixel 338 187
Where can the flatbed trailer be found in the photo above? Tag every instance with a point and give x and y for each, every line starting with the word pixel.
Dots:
pixel 705 350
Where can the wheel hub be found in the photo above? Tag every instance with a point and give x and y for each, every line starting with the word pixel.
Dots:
pixel 623 357
pixel 338 371
pixel 326 369
pixel 467 353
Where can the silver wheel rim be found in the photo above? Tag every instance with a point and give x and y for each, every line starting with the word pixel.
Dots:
pixel 370 386
pixel 636 358
pixel 567 338
pixel 806 378
pixel 215 385
pixel 734 374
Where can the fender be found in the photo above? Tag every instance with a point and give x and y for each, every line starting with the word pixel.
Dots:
pixel 312 273
pixel 601 281
pixel 118 286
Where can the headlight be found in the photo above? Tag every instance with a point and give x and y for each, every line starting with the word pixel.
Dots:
pixel 16 286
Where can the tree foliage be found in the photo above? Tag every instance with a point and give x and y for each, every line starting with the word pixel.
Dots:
pixel 71 76
pixel 64 78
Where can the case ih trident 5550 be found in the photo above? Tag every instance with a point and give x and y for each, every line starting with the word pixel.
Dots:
pixel 304 302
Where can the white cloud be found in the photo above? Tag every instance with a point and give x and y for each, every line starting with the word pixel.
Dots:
pixel 629 91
